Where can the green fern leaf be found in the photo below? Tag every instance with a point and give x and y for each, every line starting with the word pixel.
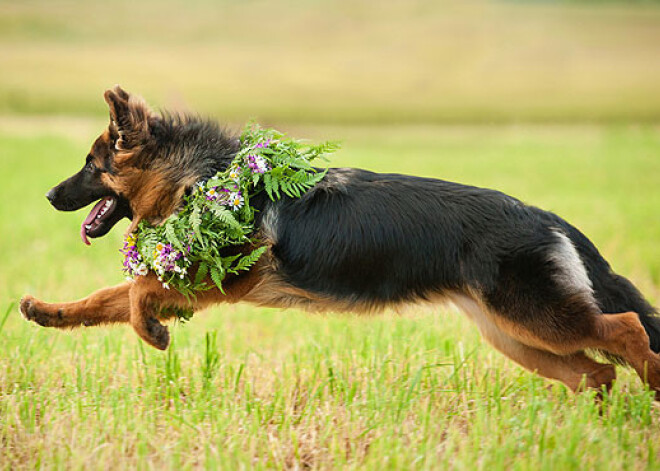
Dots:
pixel 247 261
pixel 218 275
pixel 171 236
pixel 202 271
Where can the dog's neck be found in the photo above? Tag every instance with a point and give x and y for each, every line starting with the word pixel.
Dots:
pixel 197 147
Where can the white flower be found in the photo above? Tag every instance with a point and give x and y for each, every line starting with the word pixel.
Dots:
pixel 166 285
pixel 261 163
pixel 142 270
pixel 235 173
pixel 235 200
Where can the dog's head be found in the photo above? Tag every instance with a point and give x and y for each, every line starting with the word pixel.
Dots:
pixel 141 166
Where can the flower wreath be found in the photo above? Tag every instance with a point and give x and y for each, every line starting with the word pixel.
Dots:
pixel 218 213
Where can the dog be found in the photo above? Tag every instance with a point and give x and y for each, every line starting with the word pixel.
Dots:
pixel 537 288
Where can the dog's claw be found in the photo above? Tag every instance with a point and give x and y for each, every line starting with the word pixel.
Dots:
pixel 158 333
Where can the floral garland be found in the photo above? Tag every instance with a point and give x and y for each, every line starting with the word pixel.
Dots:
pixel 218 214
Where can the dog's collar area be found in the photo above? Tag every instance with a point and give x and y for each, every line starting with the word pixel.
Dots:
pixel 216 213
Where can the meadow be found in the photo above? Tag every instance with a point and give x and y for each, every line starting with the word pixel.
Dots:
pixel 338 61
pixel 246 388
pixel 556 103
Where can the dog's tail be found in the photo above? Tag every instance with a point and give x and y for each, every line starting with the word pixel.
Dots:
pixel 615 293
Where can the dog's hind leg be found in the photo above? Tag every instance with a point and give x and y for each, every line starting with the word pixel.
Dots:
pixel 545 299
pixel 105 306
pixel 624 335
pixel 575 369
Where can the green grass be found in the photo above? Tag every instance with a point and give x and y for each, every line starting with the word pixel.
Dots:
pixel 246 388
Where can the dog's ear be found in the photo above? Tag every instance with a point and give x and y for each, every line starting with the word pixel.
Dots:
pixel 129 116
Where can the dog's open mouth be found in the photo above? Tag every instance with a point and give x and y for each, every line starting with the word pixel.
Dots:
pixel 103 216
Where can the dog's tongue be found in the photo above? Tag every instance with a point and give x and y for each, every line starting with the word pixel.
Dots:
pixel 89 219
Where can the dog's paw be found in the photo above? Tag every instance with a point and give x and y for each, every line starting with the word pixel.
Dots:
pixel 28 308
pixel 159 335
pixel 33 310
pixel 24 305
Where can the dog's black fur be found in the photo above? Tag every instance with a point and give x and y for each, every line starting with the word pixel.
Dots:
pixel 379 239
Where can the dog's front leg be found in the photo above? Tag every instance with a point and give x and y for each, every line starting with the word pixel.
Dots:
pixel 140 303
pixel 105 306
pixel 149 302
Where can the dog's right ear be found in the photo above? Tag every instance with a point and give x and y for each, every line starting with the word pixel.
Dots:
pixel 129 114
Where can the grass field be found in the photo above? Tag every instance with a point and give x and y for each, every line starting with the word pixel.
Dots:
pixel 555 102
pixel 245 388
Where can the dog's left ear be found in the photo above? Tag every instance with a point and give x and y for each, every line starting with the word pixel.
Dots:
pixel 130 116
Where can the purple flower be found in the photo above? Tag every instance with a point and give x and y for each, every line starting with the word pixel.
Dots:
pixel 132 260
pixel 257 164
pixel 165 258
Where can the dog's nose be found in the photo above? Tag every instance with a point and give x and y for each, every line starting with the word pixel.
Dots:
pixel 51 195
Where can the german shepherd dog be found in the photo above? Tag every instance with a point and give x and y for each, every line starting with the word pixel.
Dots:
pixel 536 287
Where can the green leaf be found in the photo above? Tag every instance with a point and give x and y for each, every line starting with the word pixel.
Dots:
pixel 225 216
pixel 247 261
pixel 268 185
pixel 217 275
pixel 202 271
pixel 172 238
pixel 196 220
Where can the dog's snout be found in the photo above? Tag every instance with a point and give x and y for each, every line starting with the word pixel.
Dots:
pixel 50 196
